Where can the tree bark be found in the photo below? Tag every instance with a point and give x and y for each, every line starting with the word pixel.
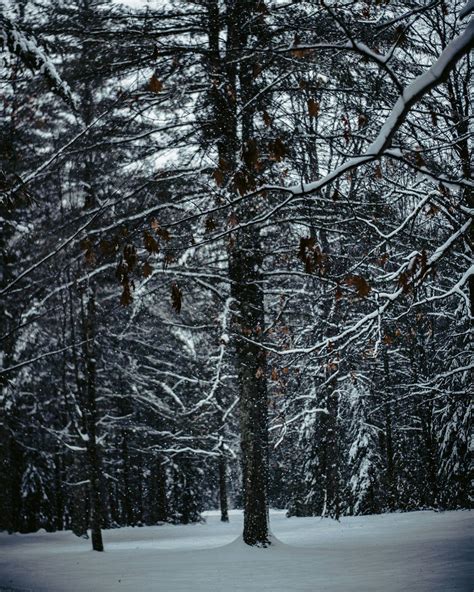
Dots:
pixel 162 514
pixel 389 447
pixel 231 86
pixel 223 489
pixel 91 419
pixel 330 456
pixel 245 265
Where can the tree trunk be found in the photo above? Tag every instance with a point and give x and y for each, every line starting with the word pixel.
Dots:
pixel 162 513
pixel 389 449
pixel 330 456
pixel 231 87
pixel 91 418
pixel 247 291
pixel 128 514
pixel 223 489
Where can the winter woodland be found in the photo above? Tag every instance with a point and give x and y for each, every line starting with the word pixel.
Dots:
pixel 236 261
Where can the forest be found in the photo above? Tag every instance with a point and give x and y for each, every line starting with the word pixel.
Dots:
pixel 236 261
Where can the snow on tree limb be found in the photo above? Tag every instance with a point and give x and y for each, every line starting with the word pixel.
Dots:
pixel 381 146
pixel 412 94
pixel 33 57
pixel 357 330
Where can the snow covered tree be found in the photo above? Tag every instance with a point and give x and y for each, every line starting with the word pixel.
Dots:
pixel 364 456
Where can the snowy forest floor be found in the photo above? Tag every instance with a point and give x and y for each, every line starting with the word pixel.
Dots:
pixel 412 552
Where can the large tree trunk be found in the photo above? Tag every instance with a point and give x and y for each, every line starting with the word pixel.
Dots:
pixel 245 266
pixel 231 87
pixel 87 111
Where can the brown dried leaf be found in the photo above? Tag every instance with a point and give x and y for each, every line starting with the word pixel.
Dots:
pixel 423 262
pixel 444 190
pixel 155 85
pixel 362 120
pixel 244 182
pixel 176 297
pixel 432 210
pixel 250 154
pixel 219 177
pixel 277 149
pixel 210 224
pixel 126 297
pixel 233 220
pixel 150 243
pixel 306 244
pixel 404 282
pixel 261 7
pixel 419 159
pixel 130 255
pixel 169 258
pixel 147 269
pixel 347 128
pixel 360 284
pixel 313 108
pixel 301 53
pixel 164 234
pixel 85 243
pixel 107 247
pixel 89 257
pixel 257 69
pixel 121 273
pixel 267 119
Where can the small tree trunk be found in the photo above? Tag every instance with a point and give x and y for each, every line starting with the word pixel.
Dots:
pixel 223 489
pixel 162 514
pixel 330 456
pixel 91 418
pixel 128 513
pixel 59 493
pixel 78 502
pixel 389 448
pixel 95 513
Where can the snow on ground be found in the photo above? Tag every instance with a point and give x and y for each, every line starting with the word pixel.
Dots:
pixel 413 552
